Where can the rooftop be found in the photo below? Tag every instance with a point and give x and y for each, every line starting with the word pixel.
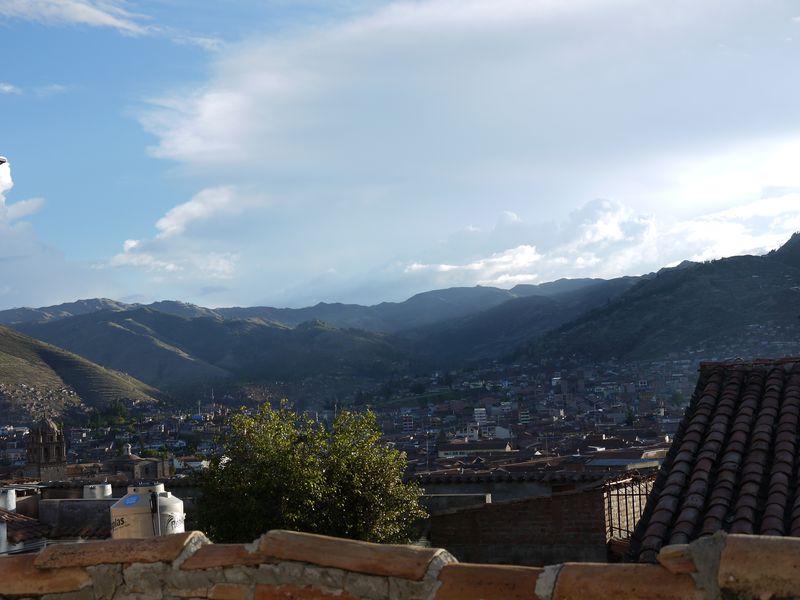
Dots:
pixel 733 465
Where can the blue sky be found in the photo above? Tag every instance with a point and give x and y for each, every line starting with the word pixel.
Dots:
pixel 250 152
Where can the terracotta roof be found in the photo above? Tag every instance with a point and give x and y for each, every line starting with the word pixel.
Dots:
pixel 93 531
pixel 20 528
pixel 733 464
pixel 497 444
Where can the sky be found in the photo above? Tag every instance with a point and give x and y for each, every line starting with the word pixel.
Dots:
pixel 287 152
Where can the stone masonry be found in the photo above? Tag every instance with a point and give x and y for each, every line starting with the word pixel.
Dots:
pixel 284 565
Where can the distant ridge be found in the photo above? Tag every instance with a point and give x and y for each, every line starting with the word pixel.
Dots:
pixel 739 306
pixel 493 332
pixel 419 310
pixel 789 253
pixel 13 316
pixel 735 306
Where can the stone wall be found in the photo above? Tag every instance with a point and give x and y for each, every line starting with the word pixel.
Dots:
pixel 535 531
pixel 284 565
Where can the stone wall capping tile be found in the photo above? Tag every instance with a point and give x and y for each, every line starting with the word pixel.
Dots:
pixel 160 549
pixel 677 559
pixel 19 576
pixel 760 566
pixel 601 581
pixel 405 562
pixel 465 581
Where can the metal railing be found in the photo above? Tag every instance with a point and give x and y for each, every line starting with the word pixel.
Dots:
pixel 625 500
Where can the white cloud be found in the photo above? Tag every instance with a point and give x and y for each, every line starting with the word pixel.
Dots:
pixel 184 265
pixel 446 142
pixel 538 105
pixel 753 228
pixel 6 182
pixel 131 257
pixel 215 202
pixel 607 239
pixel 189 246
pixel 509 265
pixel 42 91
pixel 95 13
pixel 209 43
pixel 7 88
pixel 112 14
pixel 24 208
pixel 51 89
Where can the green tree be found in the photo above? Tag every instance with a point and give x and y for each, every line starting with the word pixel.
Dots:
pixel 282 470
pixel 418 387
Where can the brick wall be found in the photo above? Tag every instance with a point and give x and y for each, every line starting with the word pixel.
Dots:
pixel 535 531
pixel 500 490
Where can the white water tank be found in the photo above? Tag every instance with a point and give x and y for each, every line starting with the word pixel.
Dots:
pixel 146 511
pixel 8 499
pixel 97 490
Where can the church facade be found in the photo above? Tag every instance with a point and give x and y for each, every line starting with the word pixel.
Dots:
pixel 46 452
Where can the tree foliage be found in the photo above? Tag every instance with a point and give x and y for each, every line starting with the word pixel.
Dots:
pixel 282 470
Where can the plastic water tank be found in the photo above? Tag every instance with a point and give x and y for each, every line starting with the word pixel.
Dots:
pixel 97 490
pixel 146 511
pixel 8 499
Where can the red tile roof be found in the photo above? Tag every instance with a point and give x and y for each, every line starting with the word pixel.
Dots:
pixel 733 465
pixel 20 528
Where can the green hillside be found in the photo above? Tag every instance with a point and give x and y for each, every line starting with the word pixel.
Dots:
pixel 745 306
pixel 170 351
pixel 36 376
pixel 498 330
pixel 146 344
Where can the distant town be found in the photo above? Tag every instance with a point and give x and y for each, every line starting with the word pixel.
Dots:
pixel 466 435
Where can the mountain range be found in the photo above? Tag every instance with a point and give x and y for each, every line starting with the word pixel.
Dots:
pixel 422 309
pixel 727 307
